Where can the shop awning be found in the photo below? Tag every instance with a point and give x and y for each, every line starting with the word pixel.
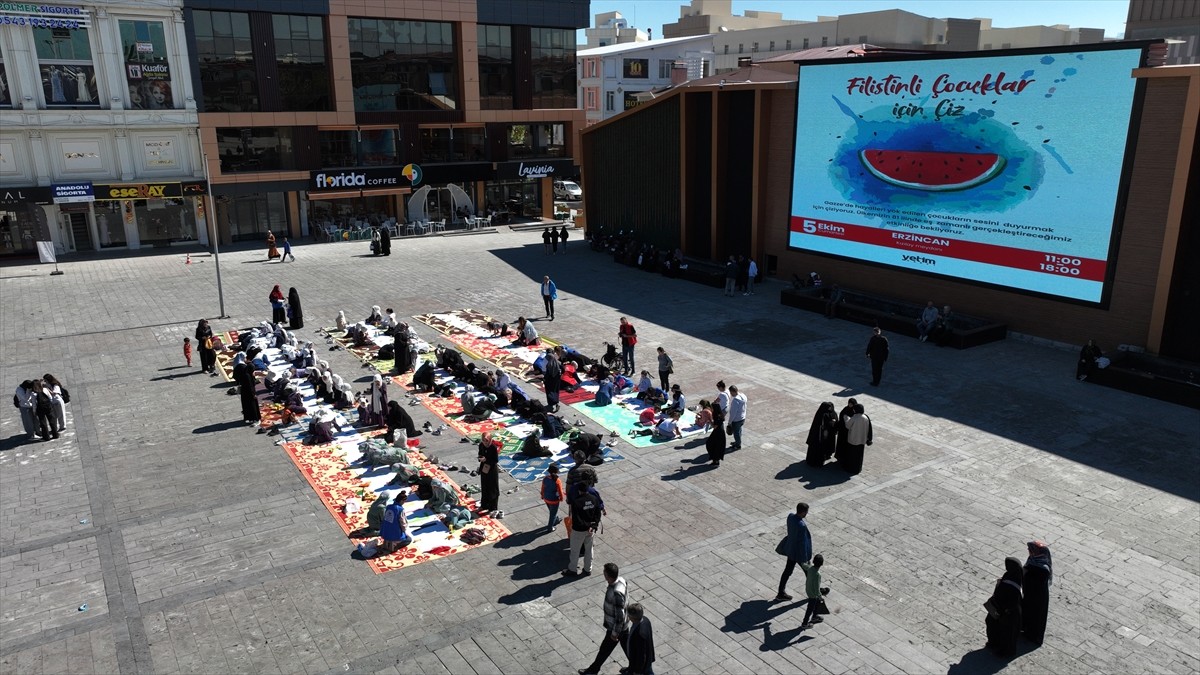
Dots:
pixel 386 191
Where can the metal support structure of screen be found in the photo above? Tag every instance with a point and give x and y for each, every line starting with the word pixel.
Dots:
pixel 1001 170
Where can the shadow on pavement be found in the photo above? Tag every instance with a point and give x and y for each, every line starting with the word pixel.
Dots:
pixel 979 662
pixel 813 476
pixel 219 426
pixel 540 562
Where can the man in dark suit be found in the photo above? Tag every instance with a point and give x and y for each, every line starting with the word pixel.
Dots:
pixel 641 641
pixel 877 351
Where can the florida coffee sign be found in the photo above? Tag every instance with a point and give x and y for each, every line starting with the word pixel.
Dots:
pixel 327 180
pixel 543 168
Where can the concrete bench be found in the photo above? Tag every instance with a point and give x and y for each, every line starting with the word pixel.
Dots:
pixel 894 316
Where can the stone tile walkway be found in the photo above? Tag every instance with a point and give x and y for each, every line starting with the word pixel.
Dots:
pixel 198 548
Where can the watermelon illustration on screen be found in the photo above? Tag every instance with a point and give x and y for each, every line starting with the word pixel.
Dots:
pixel 932 171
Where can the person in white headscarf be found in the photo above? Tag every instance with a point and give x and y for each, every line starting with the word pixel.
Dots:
pixel 330 385
pixel 342 323
pixel 376 316
pixel 345 396
pixel 378 403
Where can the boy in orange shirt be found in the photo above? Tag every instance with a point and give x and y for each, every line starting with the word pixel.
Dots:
pixel 187 351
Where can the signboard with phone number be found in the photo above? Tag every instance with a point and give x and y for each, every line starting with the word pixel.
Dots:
pixel 43 16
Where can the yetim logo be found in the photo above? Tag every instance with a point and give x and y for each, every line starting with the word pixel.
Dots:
pixel 413 173
pixel 349 179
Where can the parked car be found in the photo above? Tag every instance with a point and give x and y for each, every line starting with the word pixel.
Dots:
pixel 565 189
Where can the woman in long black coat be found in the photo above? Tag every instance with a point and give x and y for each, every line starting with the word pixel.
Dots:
pixel 715 443
pixel 243 374
pixel 489 473
pixel 398 418
pixel 552 382
pixel 208 356
pixel 1039 574
pixel 297 314
pixel 822 435
pixel 385 241
pixel 1004 617
pixel 843 417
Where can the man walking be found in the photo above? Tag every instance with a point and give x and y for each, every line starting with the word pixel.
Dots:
pixel 737 416
pixel 641 641
pixel 587 508
pixel 549 295
pixel 797 547
pixel 877 351
pixel 616 623
pixel 628 336
pixel 722 400
pixel 750 276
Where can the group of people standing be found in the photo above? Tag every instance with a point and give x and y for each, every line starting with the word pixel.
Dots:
pixel 43 407
pixel 740 274
pixel 843 435
pixel 552 237
pixel 1020 602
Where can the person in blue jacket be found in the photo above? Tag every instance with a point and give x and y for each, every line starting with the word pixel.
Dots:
pixel 394 528
pixel 797 548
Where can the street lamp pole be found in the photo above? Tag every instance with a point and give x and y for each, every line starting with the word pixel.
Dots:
pixel 212 219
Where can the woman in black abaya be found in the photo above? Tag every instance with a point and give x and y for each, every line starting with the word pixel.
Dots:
pixel 208 355
pixel 243 374
pixel 1035 605
pixel 1004 610
pixel 297 314
pixel 385 241
pixel 843 417
pixel 715 443
pixel 822 435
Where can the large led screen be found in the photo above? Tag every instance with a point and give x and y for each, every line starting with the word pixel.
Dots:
pixel 1004 170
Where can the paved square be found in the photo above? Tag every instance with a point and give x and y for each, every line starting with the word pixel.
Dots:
pixel 199 548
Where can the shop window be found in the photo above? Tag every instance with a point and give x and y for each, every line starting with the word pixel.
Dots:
pixel 516 197
pixel 338 148
pixel 553 59
pixel 225 52
pixel 496 70
pixel 609 97
pixel 5 92
pixel 403 65
pixel 65 67
pixel 300 62
pixel 147 70
pixel 252 216
pixel 256 149
pixel 21 226
pixel 161 222
pixel 468 144
pixel 111 217
pixel 541 141
pixel 435 145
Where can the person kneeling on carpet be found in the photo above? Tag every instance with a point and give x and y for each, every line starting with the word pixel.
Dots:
pixel 423 379
pixel 459 516
pixel 497 328
pixel 394 527
pixel 320 429
pixel 668 428
pixel 398 418
pixel 374 516
pixel 604 392
pixel 527 335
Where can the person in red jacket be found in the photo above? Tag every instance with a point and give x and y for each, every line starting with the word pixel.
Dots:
pixel 553 495
pixel 628 336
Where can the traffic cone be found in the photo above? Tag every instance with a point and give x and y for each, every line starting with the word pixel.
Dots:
pixel 189 259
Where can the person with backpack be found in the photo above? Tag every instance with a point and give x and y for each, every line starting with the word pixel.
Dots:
pixel 553 495
pixel 587 509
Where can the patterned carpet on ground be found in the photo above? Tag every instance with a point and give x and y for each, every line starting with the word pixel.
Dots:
pixel 331 471
pixel 622 414
pixel 370 353
pixel 467 329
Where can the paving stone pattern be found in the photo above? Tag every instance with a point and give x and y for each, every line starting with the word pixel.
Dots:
pixel 199 548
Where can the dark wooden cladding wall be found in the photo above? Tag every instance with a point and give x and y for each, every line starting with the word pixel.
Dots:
pixel 1125 321
pixel 699 176
pixel 633 169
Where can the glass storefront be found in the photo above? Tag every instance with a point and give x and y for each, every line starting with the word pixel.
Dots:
pixel 162 222
pixel 374 209
pixel 21 225
pixel 251 216
pixel 516 197
pixel 110 222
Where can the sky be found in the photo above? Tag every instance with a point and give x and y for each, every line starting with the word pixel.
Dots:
pixel 1107 14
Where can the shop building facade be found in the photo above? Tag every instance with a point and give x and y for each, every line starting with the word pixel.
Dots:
pixel 98 128
pixel 338 111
